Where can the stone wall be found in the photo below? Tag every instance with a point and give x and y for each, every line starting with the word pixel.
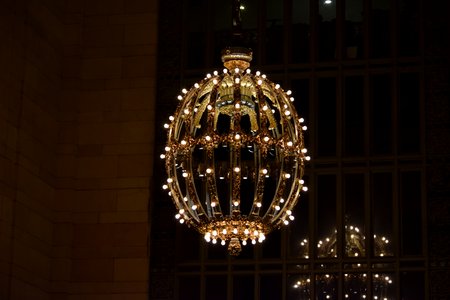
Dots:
pixel 76 146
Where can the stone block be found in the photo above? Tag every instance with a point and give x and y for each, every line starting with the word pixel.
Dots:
pixel 65 166
pixel 135 165
pixel 63 234
pixel 102 36
pixel 123 217
pixel 97 167
pixel 94 235
pixel 104 7
pixel 61 269
pixel 141 6
pixel 131 269
pixel 140 66
pixel 133 200
pixel 136 132
pixel 91 270
pixel 140 34
pixel 117 149
pixel 137 99
pixel 101 100
pixel 101 68
pixel 95 200
pixel 130 234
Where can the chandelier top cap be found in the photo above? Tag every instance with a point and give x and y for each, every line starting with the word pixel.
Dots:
pixel 236 57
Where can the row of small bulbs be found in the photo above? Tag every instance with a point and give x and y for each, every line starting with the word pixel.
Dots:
pixel 254 236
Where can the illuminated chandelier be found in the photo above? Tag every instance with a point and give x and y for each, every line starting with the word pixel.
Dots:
pixel 355 283
pixel 235 154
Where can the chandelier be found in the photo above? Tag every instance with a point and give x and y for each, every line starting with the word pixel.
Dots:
pixel 235 154
pixel 355 282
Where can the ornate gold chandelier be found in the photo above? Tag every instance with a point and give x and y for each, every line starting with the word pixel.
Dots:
pixel 235 153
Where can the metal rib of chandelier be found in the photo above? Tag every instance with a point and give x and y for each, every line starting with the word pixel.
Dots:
pixel 235 155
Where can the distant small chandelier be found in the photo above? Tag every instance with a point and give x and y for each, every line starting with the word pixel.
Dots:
pixel 235 155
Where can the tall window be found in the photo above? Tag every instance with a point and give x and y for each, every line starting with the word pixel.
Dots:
pixel 355 69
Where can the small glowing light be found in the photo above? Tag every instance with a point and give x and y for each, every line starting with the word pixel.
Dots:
pixel 248 71
pixel 305 188
pixel 162 156
pixel 194 207
pixel 171 118
pixel 304 150
pixel 215 73
pixel 214 241
pixel 246 231
pixel 287 112
pixel 166 125
pixel 301 120
pixel 208 138
pixel 209 107
pixel 328 2
pixel 288 92
pixel 287 175
pixel 265 107
pixel 301 181
pixel 289 144
pixel 222 242
pixel 258 73
pixel 264 171
pixel 177 216
pixel 253 242
pixel 224 231
pixel 185 199
pixel 308 157
pixel 214 232
pixel 281 200
pixel 237 136
pixel 184 91
pixel 236 203
pixel 291 217
pixel 181 221
pixel 225 71
pixel 258 204
pixel 266 139
pixel 167 148
pixel 237 169
pixel 277 86
pixel 215 81
pixel 169 180
pixel 186 111
pixel 208 171
pixel 185 174
pixel 292 99
pixel 235 231
pixel 213 204
pixel 183 142
pixel 196 85
pixel 165 186
pixel 259 82
pixel 208 75
pixel 277 207
pixel 237 105
pixel 305 128
pixel 179 97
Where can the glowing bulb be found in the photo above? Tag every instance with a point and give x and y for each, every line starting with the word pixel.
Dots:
pixel 162 156
pixel 185 174
pixel 194 207
pixel 167 148
pixel 237 136
pixel 237 169
pixel 166 125
pixel 184 91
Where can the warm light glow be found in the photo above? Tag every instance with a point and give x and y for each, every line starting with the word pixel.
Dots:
pixel 230 129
